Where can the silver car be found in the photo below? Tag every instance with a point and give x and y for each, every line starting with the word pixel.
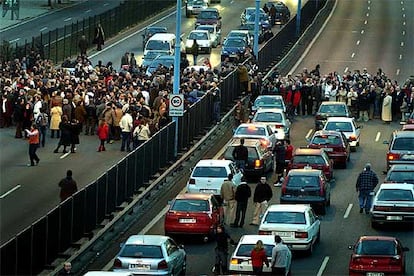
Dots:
pixel 215 33
pixel 151 255
pixel 257 131
pixel 276 119
pixel 269 101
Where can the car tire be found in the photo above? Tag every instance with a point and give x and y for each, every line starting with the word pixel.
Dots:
pixel 318 236
pixel 310 250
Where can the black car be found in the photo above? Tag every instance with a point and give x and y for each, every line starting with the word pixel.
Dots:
pixel 400 148
pixel 150 31
pixel 282 12
pixel 209 16
pixel 260 158
pixel 330 109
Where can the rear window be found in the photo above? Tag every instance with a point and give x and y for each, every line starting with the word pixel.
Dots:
pixel 303 181
pixel 376 247
pixel 158 45
pixel 268 117
pixel 246 249
pixel 267 101
pixel 398 176
pixel 251 130
pixel 210 172
pixel 141 251
pixel 308 159
pixel 252 153
pixel 285 217
pixel 332 109
pixel 327 140
pixel 339 126
pixel 395 195
pixel 406 143
pixel 188 205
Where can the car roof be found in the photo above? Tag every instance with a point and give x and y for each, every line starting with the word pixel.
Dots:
pixel 209 10
pixel 239 31
pixel 339 119
pixel 213 162
pixel 402 167
pixel 401 133
pixel 146 239
pixel 311 172
pixel 384 238
pixel 308 151
pixel 289 207
pixel 252 239
pixel 394 186
pixel 156 28
pixel 270 110
pixel 194 196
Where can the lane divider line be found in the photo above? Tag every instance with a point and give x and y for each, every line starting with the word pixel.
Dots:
pixel 66 154
pixel 378 136
pixel 311 130
pixel 10 191
pixel 323 266
pixel 348 210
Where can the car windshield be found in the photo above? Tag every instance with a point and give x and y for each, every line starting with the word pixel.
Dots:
pixel 234 43
pixel 196 2
pixel 395 195
pixel 303 181
pixel 251 130
pixel 285 217
pixel 154 54
pixel 376 247
pixel 198 36
pixel 208 15
pixel 399 176
pixel 252 153
pixel 141 251
pixel 332 109
pixel 326 140
pixel 190 205
pixel 251 17
pixel 245 250
pixel 158 45
pixel 152 31
pixel 268 117
pixel 210 172
pixel 210 29
pixel 236 34
pixel 309 159
pixel 406 143
pixel 267 101
pixel 339 126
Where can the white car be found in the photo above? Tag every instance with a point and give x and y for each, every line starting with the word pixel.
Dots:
pixel 241 34
pixel 203 40
pixel 208 176
pixel 269 101
pixel 276 119
pixel 296 224
pixel 393 203
pixel 240 261
pixel 215 33
pixel 348 127
pixel 262 132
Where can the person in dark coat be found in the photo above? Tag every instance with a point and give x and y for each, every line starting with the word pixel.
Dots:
pixel 18 117
pixel 241 155
pixel 99 39
pixel 242 195
pixel 75 131
pixel 194 51
pixel 66 134
pixel 363 106
pixel 68 186
pixel 222 239
pixel 279 151
pixel 66 269
pixel 83 45
pixel 365 185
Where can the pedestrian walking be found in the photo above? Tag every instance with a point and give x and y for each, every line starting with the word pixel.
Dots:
pixel 66 134
pixel 281 258
pixel 126 130
pixel 259 258
pixel 103 133
pixel 241 155
pixel 66 269
pixel 239 114
pixel 279 152
pixel 222 250
pixel 55 119
pixel 68 186
pixel 242 195
pixel 141 133
pixel 42 121
pixel 194 51
pixel 83 45
pixel 33 135
pixel 99 39
pixel 262 194
pixel 366 182
pixel 216 92
pixel 75 131
pixel 227 193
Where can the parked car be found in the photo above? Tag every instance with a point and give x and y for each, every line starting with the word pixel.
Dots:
pixel 194 7
pixel 249 14
pixel 209 16
pixel 203 40
pixel 393 203
pixel 348 127
pixel 334 143
pixel 400 174
pixel 240 34
pixel 377 255
pixel 233 48
pixel 282 12
pixel 260 157
pixel 240 261
pixel 150 31
pixel 148 58
pixel 296 224
pixel 193 214
pixel 407 127
pixel 166 61
pixel 330 109
pixel 260 132
pixel 315 158
pixel 400 148
pixel 306 186
pixel 151 255
pixel 215 34
pixel 269 101
pixel 208 175
pixel 276 119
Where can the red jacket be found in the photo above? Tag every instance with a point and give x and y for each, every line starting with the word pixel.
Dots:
pixel 103 131
pixel 258 258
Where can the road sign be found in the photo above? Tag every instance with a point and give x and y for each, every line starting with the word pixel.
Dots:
pixel 176 105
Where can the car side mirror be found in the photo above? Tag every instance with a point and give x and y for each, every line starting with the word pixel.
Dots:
pixel 406 249
pixel 351 247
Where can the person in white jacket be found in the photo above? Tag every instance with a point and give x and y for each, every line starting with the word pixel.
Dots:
pixel 126 127
pixel 141 133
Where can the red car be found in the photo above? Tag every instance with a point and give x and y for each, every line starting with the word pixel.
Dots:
pixel 377 256
pixel 193 214
pixel 315 158
pixel 334 143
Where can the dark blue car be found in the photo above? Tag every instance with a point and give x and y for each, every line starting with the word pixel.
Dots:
pixel 233 48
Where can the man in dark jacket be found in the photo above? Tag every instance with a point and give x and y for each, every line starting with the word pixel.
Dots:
pixel 366 182
pixel 262 194
pixel 279 151
pixel 222 240
pixel 241 155
pixel 67 186
pixel 243 193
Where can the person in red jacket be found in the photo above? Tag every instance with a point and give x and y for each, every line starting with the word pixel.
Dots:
pixel 258 256
pixel 103 133
pixel 289 151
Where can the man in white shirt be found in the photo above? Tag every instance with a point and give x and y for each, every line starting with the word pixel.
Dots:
pixel 126 127
pixel 281 258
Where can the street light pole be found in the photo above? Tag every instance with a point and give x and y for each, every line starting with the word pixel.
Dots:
pixel 177 58
pixel 298 14
pixel 256 31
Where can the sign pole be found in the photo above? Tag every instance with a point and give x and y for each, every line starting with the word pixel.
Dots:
pixel 256 30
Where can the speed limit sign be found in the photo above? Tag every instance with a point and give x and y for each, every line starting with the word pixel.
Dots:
pixel 176 105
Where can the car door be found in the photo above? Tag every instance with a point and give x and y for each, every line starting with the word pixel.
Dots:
pixel 313 224
pixel 271 135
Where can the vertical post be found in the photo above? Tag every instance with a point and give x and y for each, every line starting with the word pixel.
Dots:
pixel 256 31
pixel 177 58
pixel 298 14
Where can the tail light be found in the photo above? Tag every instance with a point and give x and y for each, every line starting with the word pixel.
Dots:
pixel 278 126
pixel 162 265
pixel 262 232
pixel 117 263
pixel 235 261
pixel 380 208
pixel 392 156
pixel 301 235
pixel 191 181
pixel 258 163
pixel 396 260
pixel 352 138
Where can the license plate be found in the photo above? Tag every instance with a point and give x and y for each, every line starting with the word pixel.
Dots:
pixel 284 234
pixel 328 149
pixel 139 266
pixel 208 191
pixel 394 217
pixel 375 274
pixel 408 157
pixel 187 220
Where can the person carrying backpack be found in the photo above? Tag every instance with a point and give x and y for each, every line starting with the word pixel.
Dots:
pixel 42 121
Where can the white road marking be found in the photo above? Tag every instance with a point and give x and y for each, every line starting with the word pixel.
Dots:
pixel 68 19
pixel 14 40
pixel 362 31
pixel 43 29
pixel 404 23
pixel 309 133
pixel 353 54
pixel 10 191
pixel 398 72
pixel 403 9
pixel 402 44
pixel 367 14
pixel 66 154
pixel 346 70
pixel 358 42
pixel 400 56
pixel 378 136
pixel 366 22
pixel 403 32
pixel 369 2
pixel 403 15
pixel 323 266
pixel 88 11
pixel 369 7
pixel 348 210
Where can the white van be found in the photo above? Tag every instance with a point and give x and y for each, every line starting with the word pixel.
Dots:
pixel 161 42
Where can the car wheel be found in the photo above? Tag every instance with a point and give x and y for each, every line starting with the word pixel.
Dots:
pixel 318 237
pixel 310 250
pixel 374 224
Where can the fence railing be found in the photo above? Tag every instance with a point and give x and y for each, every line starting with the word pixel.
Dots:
pixel 36 247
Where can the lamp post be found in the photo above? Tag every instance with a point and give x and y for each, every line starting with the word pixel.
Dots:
pixel 256 30
pixel 177 58
pixel 298 14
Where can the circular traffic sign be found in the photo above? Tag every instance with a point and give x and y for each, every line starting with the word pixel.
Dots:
pixel 176 101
